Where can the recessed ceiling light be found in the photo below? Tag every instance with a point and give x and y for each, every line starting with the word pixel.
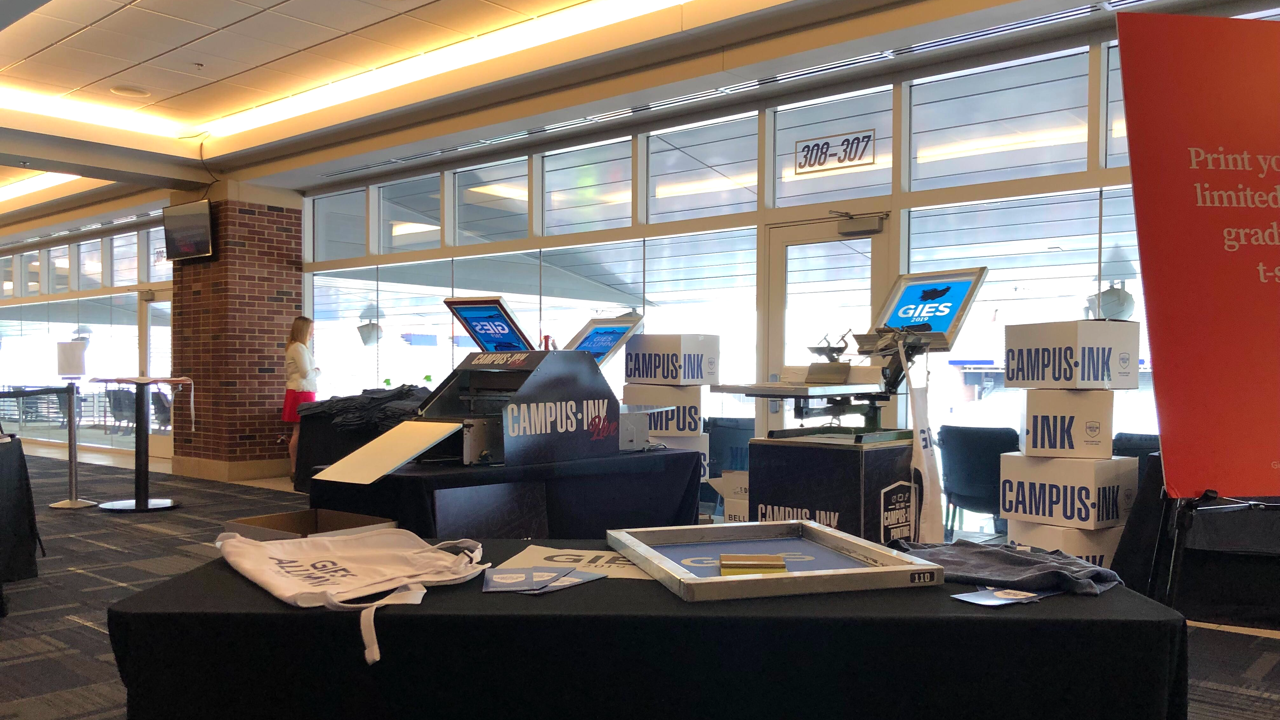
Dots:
pixel 35 183
pixel 130 91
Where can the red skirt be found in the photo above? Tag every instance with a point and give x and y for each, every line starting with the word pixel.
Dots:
pixel 292 399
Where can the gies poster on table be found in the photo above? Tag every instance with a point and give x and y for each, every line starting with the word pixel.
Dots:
pixel 1202 100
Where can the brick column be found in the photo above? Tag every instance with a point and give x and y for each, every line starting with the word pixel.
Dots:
pixel 231 316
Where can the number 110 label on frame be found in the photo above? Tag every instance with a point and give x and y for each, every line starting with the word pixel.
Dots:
pixel 836 151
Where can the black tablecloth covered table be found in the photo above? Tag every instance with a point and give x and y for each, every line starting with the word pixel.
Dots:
pixel 571 499
pixel 18 536
pixel 210 644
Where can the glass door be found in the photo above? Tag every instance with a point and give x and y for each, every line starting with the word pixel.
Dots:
pixel 820 291
pixel 156 361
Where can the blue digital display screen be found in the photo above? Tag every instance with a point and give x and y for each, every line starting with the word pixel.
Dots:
pixel 492 328
pixel 602 340
pixel 931 302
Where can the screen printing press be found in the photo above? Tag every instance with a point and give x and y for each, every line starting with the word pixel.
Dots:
pixel 857 479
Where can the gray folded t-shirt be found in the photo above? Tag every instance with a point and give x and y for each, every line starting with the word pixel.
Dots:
pixel 1007 566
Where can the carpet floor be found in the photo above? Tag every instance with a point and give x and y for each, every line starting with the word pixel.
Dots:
pixel 55 655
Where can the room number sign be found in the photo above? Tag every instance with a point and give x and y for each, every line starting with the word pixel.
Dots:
pixel 836 151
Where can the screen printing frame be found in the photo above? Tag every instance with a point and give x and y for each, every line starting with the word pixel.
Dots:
pixel 889 568
pixel 503 309
pixel 636 324
pixel 975 277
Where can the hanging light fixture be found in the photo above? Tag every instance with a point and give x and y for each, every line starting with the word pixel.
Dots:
pixel 370 331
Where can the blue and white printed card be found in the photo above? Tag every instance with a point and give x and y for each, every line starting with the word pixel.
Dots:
pixel 575 577
pixel 993 597
pixel 521 579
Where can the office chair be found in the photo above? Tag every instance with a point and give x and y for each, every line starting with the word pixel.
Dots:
pixel 971 468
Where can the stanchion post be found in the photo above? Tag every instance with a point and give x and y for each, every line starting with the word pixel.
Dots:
pixel 73 500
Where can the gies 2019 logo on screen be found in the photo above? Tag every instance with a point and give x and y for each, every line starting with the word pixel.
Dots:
pixel 935 303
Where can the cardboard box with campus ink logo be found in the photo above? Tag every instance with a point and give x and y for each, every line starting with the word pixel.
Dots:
pixel 684 416
pixel 1068 423
pixel 1069 492
pixel 735 487
pixel 1076 355
pixel 1092 546
pixel 673 359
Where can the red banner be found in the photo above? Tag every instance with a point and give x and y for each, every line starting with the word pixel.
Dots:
pixel 1202 105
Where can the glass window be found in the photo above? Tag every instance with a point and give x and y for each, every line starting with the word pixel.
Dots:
pixel 493 202
pixel 340 226
pixel 161 266
pixel 345 310
pixel 857 130
pixel 60 269
pixel 828 292
pixel 703 170
pixel 705 283
pixel 124 260
pixel 6 277
pixel 28 273
pixel 590 281
pixel 410 215
pixel 1117 130
pixel 91 265
pixel 415 347
pixel 1010 121
pixel 1042 254
pixel 587 188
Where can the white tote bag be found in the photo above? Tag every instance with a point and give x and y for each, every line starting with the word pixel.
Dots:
pixel 923 462
pixel 330 571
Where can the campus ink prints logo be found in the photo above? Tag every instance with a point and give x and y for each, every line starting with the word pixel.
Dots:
pixel 1059 364
pixel 668 366
pixel 545 418
pixel 927 308
pixel 775 513
pixel 1065 502
pixel 514 359
pixel 317 574
pixel 898 512
pixel 682 418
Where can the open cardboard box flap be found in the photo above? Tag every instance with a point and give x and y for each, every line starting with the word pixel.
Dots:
pixel 305 523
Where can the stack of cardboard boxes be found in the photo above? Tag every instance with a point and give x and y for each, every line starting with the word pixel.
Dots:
pixel 671 371
pixel 1065 491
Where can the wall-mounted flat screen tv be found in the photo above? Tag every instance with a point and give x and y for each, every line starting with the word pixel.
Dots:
pixel 188 231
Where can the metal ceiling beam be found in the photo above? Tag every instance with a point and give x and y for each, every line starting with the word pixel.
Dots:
pixel 20 148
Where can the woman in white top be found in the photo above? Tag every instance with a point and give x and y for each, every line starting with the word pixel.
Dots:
pixel 300 374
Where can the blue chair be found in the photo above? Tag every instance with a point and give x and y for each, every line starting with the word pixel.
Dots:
pixel 971 468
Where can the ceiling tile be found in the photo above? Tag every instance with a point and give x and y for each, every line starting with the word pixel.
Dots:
pixel 315 67
pixel 154 26
pixel 399 5
pixel 356 50
pixel 51 74
pixel 116 45
pixel 264 4
pixel 34 33
pixel 183 116
pixel 214 13
pixel 411 34
pixel 345 15
pixel 32 86
pixel 272 81
pixel 473 17
pixel 216 100
pixel 113 100
pixel 284 30
pixel 13 174
pixel 535 8
pixel 190 62
pixel 72 59
pixel 153 78
pixel 83 12
pixel 6 61
pixel 231 46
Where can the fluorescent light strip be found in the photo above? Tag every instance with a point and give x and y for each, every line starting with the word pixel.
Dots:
pixel 499 43
pixel 80 111
pixel 1004 143
pixel 36 183
pixel 409 228
pixel 510 192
